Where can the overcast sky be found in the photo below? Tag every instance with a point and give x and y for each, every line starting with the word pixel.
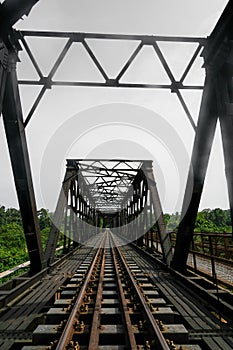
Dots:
pixel 111 123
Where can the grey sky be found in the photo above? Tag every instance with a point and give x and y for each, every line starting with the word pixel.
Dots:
pixel 60 105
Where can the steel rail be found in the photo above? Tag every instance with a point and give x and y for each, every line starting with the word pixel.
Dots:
pixel 94 334
pixel 188 293
pixel 68 330
pixel 131 337
pixel 162 344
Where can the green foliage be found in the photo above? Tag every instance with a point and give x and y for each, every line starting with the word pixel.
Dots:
pixel 172 221
pixel 44 218
pixel 10 215
pixel 216 220
pixel 44 236
pixel 13 249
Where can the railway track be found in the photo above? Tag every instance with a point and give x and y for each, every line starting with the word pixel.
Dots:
pixel 117 300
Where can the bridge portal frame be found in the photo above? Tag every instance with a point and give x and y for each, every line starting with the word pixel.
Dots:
pixel 216 103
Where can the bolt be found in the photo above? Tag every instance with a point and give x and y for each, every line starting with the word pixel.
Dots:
pixel 151 307
pixel 87 299
pixel 79 326
pixel 52 345
pixel 84 308
pixel 172 345
pixel 61 325
pixel 73 345
pixel 140 326
pixel 160 324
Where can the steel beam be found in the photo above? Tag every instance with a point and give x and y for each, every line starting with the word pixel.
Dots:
pixel 199 161
pixel 17 144
pixel 11 11
pixel 3 71
pixel 217 95
pixel 59 215
pixel 225 107
pixel 163 235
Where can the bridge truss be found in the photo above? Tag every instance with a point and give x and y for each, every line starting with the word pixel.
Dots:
pixel 120 194
pixel 216 51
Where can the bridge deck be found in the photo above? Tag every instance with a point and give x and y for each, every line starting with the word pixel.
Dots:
pixel 111 296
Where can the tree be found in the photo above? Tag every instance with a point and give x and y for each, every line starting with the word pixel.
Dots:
pixel 13 215
pixel 44 218
pixel 2 215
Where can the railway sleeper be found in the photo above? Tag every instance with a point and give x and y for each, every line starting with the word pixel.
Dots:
pixel 111 326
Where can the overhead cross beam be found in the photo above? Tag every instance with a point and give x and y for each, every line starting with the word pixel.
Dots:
pixel 47 82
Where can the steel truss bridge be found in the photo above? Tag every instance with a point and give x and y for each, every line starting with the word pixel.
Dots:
pixel 118 198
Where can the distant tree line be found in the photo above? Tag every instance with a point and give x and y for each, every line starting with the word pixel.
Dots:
pixel 13 250
pixel 208 220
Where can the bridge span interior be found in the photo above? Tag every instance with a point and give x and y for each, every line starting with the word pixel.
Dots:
pixel 117 194
pixel 111 276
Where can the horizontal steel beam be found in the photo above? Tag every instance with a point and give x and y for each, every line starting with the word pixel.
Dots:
pixel 80 36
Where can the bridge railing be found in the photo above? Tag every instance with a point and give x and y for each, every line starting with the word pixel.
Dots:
pixel 209 252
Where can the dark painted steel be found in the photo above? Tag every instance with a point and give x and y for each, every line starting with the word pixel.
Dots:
pixel 3 71
pixel 79 36
pixel 200 156
pixel 113 83
pixel 82 38
pixel 216 102
pixel 225 107
pixel 58 216
pixel 158 212
pixel 11 11
pixel 47 81
pixel 195 55
pixel 15 133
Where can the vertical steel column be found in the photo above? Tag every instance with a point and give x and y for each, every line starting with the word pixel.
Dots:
pixel 149 209
pixel 200 156
pixel 163 235
pixel 75 217
pixel 3 71
pixel 225 107
pixel 59 215
pixel 17 144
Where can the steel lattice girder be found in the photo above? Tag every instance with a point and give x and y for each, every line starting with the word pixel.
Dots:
pixel 47 82
pixel 77 187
